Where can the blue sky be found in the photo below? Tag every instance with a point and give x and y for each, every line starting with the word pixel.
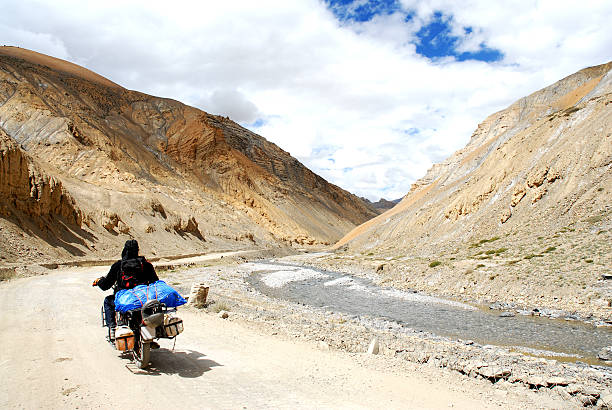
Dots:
pixel 433 40
pixel 368 94
pixel 356 11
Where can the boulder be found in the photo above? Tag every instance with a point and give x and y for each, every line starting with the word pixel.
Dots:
pixel 422 357
pixel 224 314
pixel 562 391
pixel 586 400
pixel 574 388
pixel 605 353
pixel 109 220
pixel 507 314
pixel 471 367
pixel 505 215
pixel 535 382
pixel 605 400
pixel 517 195
pixel 589 391
pixel 123 227
pixel 557 381
pixel 157 208
pixel 374 347
pixel 494 372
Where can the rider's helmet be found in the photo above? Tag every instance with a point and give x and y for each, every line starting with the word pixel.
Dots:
pixel 130 249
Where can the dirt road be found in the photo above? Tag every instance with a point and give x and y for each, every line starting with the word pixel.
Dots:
pixel 54 355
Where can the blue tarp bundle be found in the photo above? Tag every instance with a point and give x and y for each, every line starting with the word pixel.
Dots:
pixel 128 299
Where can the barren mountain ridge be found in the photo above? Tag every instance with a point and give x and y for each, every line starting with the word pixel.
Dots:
pixel 522 213
pixel 111 164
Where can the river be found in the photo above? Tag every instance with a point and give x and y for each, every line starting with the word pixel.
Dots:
pixel 360 297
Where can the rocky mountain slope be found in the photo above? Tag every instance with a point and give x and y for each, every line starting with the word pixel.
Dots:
pixel 100 163
pixel 522 213
pixel 382 204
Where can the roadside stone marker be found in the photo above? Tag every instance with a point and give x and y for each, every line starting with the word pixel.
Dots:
pixel 198 295
pixel 373 348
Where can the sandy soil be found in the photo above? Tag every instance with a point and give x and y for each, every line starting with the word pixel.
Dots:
pixel 54 356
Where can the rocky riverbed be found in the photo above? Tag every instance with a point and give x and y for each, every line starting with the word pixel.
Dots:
pixel 579 384
pixel 416 274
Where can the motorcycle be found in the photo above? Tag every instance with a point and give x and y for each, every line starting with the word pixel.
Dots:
pixel 137 329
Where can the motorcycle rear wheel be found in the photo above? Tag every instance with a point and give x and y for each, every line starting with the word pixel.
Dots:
pixel 142 352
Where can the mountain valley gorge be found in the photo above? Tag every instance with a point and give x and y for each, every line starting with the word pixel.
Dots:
pixel 87 164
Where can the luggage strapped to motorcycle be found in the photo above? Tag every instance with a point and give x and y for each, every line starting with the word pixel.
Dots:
pixel 146 293
pixel 172 325
pixel 138 297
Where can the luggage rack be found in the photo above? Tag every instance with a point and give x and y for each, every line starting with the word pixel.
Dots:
pixel 104 324
pixel 164 310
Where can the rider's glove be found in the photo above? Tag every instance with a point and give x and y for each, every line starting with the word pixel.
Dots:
pixel 95 282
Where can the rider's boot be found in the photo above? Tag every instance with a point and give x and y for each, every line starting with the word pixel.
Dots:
pixel 112 333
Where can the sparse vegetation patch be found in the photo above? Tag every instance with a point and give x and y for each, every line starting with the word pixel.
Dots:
pixel 595 219
pixel 7 273
pixel 530 256
pixel 493 239
pixel 220 305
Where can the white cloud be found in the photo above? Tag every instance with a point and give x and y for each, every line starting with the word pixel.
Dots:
pixel 16 36
pixel 232 103
pixel 353 101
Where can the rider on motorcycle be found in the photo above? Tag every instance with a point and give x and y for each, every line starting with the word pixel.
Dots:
pixel 132 270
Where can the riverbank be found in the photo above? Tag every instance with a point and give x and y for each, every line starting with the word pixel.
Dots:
pixel 575 384
pixel 496 284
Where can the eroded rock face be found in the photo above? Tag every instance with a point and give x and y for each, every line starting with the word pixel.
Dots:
pixel 182 225
pixel 28 191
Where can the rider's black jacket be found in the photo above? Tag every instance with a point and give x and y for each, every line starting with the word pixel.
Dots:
pixel 112 278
